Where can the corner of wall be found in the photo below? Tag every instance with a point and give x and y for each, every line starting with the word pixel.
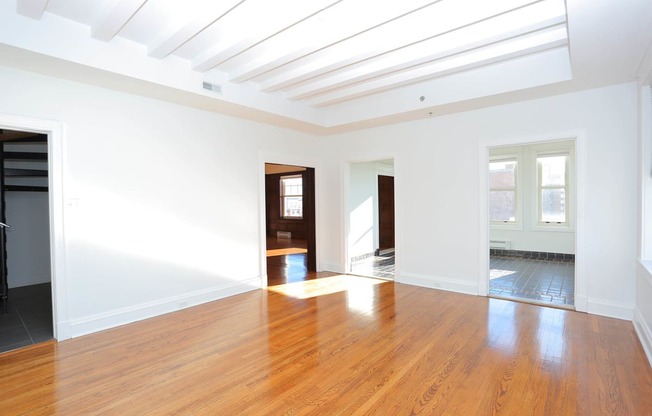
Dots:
pixel 644 334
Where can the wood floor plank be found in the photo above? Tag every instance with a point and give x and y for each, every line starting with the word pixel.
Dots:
pixel 340 345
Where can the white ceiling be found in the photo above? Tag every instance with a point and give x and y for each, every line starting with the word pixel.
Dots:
pixel 331 65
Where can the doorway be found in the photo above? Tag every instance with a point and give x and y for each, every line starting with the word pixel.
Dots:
pixel 371 219
pixel 25 273
pixel 532 200
pixel 290 223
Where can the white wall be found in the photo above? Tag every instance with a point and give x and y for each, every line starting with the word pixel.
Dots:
pixel 363 209
pixel 28 239
pixel 161 201
pixel 643 312
pixel 436 164
pixel 527 235
pixel 363 205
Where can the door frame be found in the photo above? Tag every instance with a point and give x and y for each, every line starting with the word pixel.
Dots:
pixel 579 136
pixel 292 160
pixel 55 132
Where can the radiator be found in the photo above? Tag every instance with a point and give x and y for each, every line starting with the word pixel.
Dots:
pixel 500 244
pixel 283 234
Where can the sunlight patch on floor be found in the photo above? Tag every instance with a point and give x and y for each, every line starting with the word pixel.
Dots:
pixel 325 286
pixel 284 251
pixel 496 273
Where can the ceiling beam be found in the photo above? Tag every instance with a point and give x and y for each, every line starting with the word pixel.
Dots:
pixel 406 21
pixel 406 58
pixel 355 61
pixel 191 29
pixel 31 8
pixel 288 46
pixel 108 26
pixel 434 70
pixel 292 16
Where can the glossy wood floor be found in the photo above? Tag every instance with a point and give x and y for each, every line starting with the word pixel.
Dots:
pixel 340 345
pixel 286 261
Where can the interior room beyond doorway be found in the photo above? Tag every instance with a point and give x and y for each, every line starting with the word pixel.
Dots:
pixel 371 238
pixel 289 223
pixel 26 315
pixel 532 200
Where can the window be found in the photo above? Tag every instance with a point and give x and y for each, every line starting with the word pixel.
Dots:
pixel 292 196
pixel 552 178
pixel 502 190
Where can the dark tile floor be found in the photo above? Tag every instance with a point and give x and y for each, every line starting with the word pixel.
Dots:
pixel 381 266
pixel 27 318
pixel 538 280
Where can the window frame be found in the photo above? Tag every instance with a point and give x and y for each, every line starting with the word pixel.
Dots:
pixel 551 150
pixel 517 224
pixel 282 196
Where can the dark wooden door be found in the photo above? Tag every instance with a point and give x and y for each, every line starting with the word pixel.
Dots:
pixel 386 211
pixel 309 216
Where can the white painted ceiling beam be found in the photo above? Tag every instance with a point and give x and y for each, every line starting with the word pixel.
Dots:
pixel 430 24
pixel 391 64
pixel 109 25
pixel 31 8
pixel 213 12
pixel 461 62
pixel 348 19
pixel 501 27
pixel 269 23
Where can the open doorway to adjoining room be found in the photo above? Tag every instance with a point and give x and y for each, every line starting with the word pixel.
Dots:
pixel 26 312
pixel 371 224
pixel 532 222
pixel 289 223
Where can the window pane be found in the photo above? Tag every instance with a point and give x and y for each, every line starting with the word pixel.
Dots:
pixel 502 174
pixel 502 206
pixel 293 206
pixel 553 205
pixel 292 186
pixel 553 170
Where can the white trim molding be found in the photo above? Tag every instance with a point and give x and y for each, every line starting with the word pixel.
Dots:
pixel 644 334
pixel 436 282
pixel 609 308
pixel 130 314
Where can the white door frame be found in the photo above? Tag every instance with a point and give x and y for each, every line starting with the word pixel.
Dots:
pixel 579 136
pixel 55 133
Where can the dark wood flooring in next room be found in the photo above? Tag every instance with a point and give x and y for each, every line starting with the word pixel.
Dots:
pixel 287 261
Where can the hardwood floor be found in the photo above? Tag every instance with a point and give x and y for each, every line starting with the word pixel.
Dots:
pixel 287 261
pixel 340 345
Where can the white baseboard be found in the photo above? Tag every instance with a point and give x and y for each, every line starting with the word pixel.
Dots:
pixel 581 303
pixel 609 308
pixel 330 267
pixel 644 334
pixel 435 282
pixel 94 323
